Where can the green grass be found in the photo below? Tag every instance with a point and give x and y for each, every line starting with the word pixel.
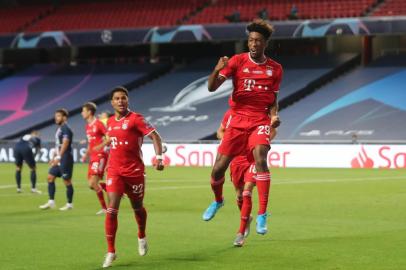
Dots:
pixel 322 219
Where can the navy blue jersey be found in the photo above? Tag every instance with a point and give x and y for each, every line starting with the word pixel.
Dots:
pixel 35 142
pixel 63 132
pixel 31 141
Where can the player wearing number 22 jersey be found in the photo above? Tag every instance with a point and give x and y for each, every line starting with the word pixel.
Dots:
pixel 256 81
pixel 125 169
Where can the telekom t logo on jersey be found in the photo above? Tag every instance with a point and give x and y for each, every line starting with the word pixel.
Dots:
pixel 113 142
pixel 249 84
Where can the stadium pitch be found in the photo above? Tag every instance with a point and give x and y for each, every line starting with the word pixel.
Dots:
pixel 321 219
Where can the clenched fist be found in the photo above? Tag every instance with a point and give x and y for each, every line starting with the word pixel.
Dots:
pixel 222 63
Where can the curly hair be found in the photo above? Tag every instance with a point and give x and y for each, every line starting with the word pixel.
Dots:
pixel 262 27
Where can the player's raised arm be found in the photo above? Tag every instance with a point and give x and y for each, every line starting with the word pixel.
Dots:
pixel 157 142
pixel 215 79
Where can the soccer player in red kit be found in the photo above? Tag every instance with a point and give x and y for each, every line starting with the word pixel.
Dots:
pixel 125 169
pixel 95 133
pixel 256 80
pixel 242 173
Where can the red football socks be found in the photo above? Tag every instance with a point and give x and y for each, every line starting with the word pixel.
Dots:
pixel 239 203
pixel 103 186
pixel 100 196
pixel 217 187
pixel 245 210
pixel 263 185
pixel 141 218
pixel 111 225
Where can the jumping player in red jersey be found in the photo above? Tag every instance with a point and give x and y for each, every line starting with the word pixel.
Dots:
pixel 125 169
pixel 95 133
pixel 242 173
pixel 256 80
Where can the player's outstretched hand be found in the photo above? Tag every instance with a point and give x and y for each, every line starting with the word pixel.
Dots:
pixel 159 165
pixel 222 63
pixel 275 121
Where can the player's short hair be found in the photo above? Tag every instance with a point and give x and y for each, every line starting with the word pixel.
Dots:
pixel 262 27
pixel 63 111
pixel 118 89
pixel 90 106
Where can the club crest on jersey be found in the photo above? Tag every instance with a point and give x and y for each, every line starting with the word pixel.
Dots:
pixel 269 71
pixel 125 124
pixel 94 129
pixel 246 70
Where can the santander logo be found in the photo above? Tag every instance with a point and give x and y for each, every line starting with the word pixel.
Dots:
pixel 362 160
pixel 166 160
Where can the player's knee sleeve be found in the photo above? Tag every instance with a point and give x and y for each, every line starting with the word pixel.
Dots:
pixel 112 212
pixel 246 193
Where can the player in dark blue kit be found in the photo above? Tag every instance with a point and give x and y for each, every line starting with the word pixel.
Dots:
pixel 25 150
pixel 62 162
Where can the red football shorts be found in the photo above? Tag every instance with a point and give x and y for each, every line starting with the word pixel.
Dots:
pixel 241 171
pixel 97 165
pixel 243 134
pixel 134 187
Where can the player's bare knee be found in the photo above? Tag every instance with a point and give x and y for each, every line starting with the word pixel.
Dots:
pixel 67 182
pixel 93 185
pixel 261 165
pixel 50 178
pixel 18 168
pixel 249 186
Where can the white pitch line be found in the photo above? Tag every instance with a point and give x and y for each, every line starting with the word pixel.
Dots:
pixel 207 186
pixel 280 182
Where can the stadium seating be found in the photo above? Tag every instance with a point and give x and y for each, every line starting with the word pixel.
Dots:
pixel 85 15
pixel 368 101
pixel 280 9
pixel 391 8
pixel 185 110
pixel 116 14
pixel 15 18
pixel 31 96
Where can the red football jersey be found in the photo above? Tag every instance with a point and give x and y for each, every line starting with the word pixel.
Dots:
pixel 255 85
pixel 126 138
pixel 226 119
pixel 95 131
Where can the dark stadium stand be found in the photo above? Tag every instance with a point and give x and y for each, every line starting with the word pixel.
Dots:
pixel 391 8
pixel 116 14
pixel 369 101
pixel 280 9
pixel 85 15
pixel 14 19
pixel 30 97
pixel 179 104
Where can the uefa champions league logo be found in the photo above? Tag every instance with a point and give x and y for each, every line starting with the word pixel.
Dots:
pixel 106 36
